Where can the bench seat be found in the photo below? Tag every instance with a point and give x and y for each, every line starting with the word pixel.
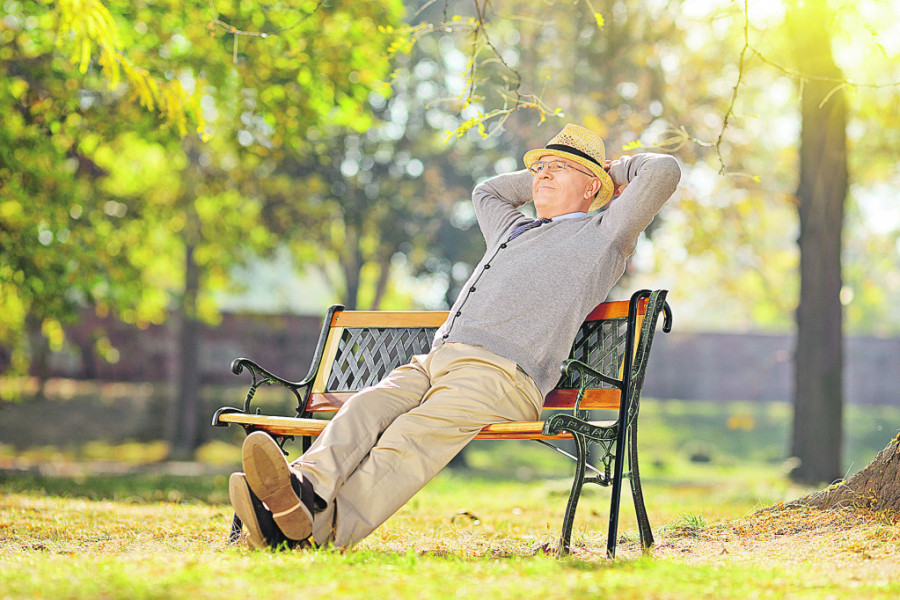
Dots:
pixel 294 426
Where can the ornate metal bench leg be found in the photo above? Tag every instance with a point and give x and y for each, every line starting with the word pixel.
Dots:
pixel 574 495
pixel 614 503
pixel 637 494
pixel 235 533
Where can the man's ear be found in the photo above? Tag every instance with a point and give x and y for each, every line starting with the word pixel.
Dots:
pixel 593 189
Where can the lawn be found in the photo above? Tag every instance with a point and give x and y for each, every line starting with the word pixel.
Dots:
pixel 155 532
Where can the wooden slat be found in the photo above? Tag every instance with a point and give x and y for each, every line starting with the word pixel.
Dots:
pixel 617 309
pixel 277 425
pixel 562 399
pixel 520 430
pixel 360 318
pixel 594 399
pixel 331 347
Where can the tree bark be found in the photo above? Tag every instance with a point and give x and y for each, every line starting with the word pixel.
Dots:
pixel 818 376
pixel 185 427
pixel 875 487
pixel 186 416
pixel 384 277
pixel 351 264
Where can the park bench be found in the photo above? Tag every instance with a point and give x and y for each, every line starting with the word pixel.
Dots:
pixel 357 349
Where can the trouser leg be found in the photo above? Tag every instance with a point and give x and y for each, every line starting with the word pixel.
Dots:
pixel 470 388
pixel 352 433
pixel 356 427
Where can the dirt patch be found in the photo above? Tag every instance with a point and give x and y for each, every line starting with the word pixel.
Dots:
pixel 831 545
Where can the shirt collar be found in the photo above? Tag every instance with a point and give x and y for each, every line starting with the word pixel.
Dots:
pixel 571 215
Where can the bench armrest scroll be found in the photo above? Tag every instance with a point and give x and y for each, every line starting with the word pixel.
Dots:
pixel 576 367
pixel 260 376
pixel 223 411
pixel 300 389
pixel 584 372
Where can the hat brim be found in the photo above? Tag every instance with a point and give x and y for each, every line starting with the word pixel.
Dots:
pixel 606 188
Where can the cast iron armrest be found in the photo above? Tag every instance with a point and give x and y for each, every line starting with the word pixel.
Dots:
pixel 572 367
pixel 667 318
pixel 259 377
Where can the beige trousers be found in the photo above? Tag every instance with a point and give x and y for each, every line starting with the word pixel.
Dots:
pixel 390 439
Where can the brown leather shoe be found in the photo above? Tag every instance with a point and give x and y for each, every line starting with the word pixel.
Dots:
pixel 270 477
pixel 255 517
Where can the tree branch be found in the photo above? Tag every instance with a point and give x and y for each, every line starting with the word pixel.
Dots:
pixel 216 22
pixel 840 83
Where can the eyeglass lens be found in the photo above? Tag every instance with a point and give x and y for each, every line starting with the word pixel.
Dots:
pixel 553 165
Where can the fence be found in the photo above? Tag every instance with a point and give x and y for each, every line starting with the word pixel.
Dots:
pixel 701 366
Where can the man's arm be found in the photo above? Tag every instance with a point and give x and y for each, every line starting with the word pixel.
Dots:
pixel 497 201
pixel 651 179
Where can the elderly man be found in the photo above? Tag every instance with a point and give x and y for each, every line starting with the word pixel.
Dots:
pixel 493 360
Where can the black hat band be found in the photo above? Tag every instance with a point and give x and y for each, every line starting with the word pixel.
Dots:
pixel 575 151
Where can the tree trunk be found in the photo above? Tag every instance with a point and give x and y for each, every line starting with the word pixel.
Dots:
pixel 818 381
pixel 352 263
pixel 875 487
pixel 186 416
pixel 384 277
pixel 40 354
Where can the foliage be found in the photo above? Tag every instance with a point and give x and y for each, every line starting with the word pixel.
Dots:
pixel 83 23
pixel 96 160
pixel 714 83
pixel 100 204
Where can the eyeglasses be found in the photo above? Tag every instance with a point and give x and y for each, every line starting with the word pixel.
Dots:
pixel 554 166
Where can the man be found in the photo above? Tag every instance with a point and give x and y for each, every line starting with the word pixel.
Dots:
pixel 493 360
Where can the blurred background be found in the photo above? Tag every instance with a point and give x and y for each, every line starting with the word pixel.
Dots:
pixel 183 183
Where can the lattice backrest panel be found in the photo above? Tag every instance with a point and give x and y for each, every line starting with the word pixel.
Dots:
pixel 366 354
pixel 601 346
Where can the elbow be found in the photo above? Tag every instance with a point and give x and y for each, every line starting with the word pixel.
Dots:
pixel 480 192
pixel 666 166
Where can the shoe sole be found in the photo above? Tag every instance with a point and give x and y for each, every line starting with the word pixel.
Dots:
pixel 269 476
pixel 239 492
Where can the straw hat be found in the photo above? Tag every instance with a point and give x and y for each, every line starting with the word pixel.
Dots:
pixel 584 147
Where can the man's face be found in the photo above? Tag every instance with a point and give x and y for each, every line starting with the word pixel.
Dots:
pixel 559 192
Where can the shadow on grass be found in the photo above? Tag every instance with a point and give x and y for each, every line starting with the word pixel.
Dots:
pixel 127 488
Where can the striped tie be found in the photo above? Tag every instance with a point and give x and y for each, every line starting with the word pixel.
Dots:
pixel 526 226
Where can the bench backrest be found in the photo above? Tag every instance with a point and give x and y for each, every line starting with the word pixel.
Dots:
pixel 358 348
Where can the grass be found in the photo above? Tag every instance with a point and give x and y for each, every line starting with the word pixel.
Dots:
pixel 64 545
pixel 151 531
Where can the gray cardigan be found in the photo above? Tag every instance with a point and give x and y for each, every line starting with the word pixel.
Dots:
pixel 527 298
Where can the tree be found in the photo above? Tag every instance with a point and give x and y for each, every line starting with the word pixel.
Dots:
pixel 61 237
pixel 163 235
pixel 820 199
pixel 821 194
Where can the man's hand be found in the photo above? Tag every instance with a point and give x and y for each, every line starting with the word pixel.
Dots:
pixel 619 187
